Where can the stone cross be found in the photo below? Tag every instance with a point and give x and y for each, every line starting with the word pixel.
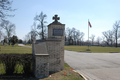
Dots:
pixel 56 18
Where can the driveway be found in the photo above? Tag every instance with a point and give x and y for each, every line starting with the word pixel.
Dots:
pixel 95 66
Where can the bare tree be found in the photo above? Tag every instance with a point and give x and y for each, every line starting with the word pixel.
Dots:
pixel 103 41
pixel 68 33
pixel 31 35
pixel 116 27
pixel 1 35
pixel 33 32
pixel 41 17
pixel 9 28
pixel 109 37
pixel 5 6
pixel 98 40
pixel 75 34
pixel 79 36
pixel 27 38
pixel 92 38
pixel 5 40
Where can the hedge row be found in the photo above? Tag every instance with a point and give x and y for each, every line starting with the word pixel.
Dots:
pixel 10 61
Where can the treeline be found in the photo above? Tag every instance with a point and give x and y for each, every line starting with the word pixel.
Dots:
pixel 76 35
pixel 39 31
pixel 111 37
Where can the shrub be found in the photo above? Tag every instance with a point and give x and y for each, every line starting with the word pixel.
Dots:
pixel 26 62
pixel 10 61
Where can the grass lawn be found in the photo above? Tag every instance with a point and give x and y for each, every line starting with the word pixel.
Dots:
pixel 15 49
pixel 94 49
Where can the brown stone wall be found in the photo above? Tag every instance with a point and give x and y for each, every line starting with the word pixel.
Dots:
pixel 54 51
pixel 41 66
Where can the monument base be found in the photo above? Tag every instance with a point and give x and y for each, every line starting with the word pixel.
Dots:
pixel 88 50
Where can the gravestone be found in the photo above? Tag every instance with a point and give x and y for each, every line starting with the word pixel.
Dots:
pixel 70 41
pixel 49 53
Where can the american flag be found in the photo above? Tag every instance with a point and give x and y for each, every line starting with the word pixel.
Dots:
pixel 89 24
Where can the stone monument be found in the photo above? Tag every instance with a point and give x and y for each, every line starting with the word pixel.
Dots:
pixel 70 41
pixel 49 54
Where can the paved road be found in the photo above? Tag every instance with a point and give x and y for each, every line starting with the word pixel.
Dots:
pixel 24 45
pixel 95 66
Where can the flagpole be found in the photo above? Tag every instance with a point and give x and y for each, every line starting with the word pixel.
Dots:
pixel 88 35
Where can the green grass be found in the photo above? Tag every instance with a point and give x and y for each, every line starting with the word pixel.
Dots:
pixel 94 49
pixel 70 75
pixel 15 49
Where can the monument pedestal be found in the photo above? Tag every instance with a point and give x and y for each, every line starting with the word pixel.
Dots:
pixel 49 54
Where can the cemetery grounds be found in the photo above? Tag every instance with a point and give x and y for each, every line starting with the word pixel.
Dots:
pixel 93 49
pixel 66 74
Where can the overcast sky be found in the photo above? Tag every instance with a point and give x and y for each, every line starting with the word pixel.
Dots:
pixel 73 13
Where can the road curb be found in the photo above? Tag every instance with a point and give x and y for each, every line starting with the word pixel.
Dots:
pixel 113 52
pixel 81 75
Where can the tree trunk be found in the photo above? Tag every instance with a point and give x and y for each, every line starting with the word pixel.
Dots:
pixel 42 31
pixel 92 43
pixel 116 39
pixel 116 42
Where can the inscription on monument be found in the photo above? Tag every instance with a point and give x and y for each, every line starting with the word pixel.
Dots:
pixel 58 32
